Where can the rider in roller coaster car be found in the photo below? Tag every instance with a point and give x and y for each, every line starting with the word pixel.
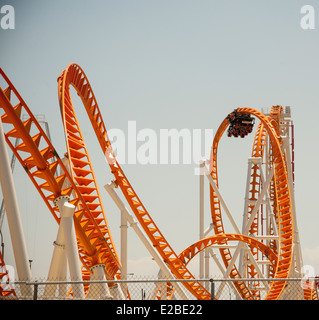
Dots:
pixel 240 124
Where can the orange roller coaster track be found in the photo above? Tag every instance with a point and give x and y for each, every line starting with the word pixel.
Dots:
pixel 53 179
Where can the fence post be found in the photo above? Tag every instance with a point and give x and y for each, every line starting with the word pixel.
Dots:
pixel 212 289
pixel 35 291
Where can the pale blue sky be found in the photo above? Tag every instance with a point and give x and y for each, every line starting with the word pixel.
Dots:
pixel 169 64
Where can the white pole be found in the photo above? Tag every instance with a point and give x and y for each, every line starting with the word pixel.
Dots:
pixel 242 256
pixel 71 248
pixel 99 290
pixel 57 262
pixel 129 217
pixel 63 276
pixel 222 270
pixel 207 257
pixel 201 217
pixel 221 199
pixel 13 217
pixel 124 228
pixel 159 286
pixel 297 249
pixel 269 211
pixel 117 292
pixel 163 287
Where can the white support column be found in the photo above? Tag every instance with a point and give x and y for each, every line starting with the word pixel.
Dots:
pixel 221 199
pixel 99 290
pixel 208 230
pixel 117 292
pixel 13 217
pixel 58 263
pixel 245 215
pixel 156 287
pixel 296 247
pixel 71 248
pixel 110 189
pixel 124 228
pixel 63 290
pixel 206 264
pixel 201 217
pixel 242 256
pixel 269 210
pixel 222 270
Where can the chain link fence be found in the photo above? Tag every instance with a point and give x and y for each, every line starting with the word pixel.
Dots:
pixel 156 289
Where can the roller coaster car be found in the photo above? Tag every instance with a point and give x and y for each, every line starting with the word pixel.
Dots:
pixel 240 124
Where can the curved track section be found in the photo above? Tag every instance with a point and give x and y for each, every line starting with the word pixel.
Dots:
pixel 285 218
pixel 74 76
pixel 52 180
pixel 189 253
